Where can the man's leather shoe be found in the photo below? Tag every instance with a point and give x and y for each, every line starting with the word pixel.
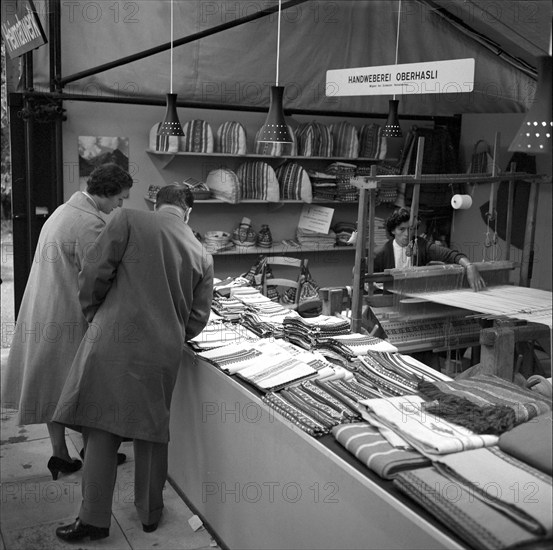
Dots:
pixel 150 528
pixel 80 530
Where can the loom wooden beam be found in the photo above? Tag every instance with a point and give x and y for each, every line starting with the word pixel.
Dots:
pixel 497 354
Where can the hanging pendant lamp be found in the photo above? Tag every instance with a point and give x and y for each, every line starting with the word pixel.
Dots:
pixel 392 128
pixel 171 125
pixel 275 129
pixel 534 134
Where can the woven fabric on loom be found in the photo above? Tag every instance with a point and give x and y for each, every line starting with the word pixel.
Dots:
pixel 500 404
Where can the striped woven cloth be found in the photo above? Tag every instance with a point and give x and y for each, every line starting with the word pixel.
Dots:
pixel 258 181
pixel 498 405
pixel 231 139
pixel 346 141
pixel 367 444
pixel 294 182
pixel 198 137
pixel 371 142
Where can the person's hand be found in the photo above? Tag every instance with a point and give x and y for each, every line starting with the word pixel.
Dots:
pixel 540 384
pixel 474 278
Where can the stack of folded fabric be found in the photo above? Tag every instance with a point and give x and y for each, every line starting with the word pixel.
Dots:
pixel 228 308
pixel 345 191
pixel 426 432
pixel 217 334
pixel 264 364
pixel 486 497
pixel 387 192
pixel 350 346
pixel 324 186
pixel 305 332
pixel 369 446
pixel 313 239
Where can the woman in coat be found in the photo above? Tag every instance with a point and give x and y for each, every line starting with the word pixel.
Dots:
pixel 50 323
pixel 147 292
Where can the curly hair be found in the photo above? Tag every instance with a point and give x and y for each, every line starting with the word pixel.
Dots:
pixel 108 180
pixel 401 215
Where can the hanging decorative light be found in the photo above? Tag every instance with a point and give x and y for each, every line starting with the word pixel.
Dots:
pixel 534 134
pixel 275 129
pixel 171 125
pixel 392 127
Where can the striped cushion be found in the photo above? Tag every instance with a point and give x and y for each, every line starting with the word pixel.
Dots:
pixel 168 144
pixel 277 149
pixel 294 182
pixel 346 142
pixel 224 185
pixel 314 140
pixel 198 137
pixel 371 143
pixel 258 181
pixel 231 139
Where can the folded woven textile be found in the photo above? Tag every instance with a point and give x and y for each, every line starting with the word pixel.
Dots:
pixel 531 442
pixel 481 526
pixel 426 432
pixel 517 490
pixel 484 403
pixel 367 444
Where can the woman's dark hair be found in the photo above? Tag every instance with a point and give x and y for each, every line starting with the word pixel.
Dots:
pixel 401 215
pixel 108 180
pixel 176 194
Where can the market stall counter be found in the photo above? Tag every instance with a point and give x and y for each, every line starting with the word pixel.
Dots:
pixel 259 482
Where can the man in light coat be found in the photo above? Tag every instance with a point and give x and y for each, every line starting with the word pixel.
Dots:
pixel 145 293
pixel 50 323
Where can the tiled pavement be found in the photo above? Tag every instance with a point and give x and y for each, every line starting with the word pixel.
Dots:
pixel 33 505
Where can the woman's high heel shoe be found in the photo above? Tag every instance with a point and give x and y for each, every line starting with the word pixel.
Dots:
pixel 57 465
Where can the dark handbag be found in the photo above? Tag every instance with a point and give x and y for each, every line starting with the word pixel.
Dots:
pixel 310 303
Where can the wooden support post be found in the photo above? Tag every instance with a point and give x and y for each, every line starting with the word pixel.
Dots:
pixel 498 351
pixel 510 207
pixel 528 247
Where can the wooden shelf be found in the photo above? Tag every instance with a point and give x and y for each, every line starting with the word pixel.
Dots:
pixel 258 201
pixel 268 157
pixel 279 248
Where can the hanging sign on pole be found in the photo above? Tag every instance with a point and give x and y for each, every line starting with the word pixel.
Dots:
pixel 431 77
pixel 21 29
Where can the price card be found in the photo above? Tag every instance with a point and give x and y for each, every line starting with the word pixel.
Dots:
pixel 316 218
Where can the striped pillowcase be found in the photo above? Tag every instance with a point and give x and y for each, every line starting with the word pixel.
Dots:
pixel 371 143
pixel 346 141
pixel 198 137
pixel 294 182
pixel 314 140
pixel 258 181
pixel 231 139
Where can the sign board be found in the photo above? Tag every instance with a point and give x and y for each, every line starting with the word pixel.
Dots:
pixel 432 77
pixel 21 30
pixel 316 218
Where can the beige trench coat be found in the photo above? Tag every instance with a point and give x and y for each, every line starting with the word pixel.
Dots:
pixel 146 293
pixel 50 323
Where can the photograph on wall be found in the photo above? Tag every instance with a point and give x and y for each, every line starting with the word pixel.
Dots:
pixel 96 150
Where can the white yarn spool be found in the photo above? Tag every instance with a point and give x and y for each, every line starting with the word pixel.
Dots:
pixel 461 202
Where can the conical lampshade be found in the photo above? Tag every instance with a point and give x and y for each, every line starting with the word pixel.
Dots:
pixel 392 127
pixel 171 124
pixel 275 129
pixel 534 134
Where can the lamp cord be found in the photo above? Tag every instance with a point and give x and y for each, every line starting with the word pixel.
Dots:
pixel 171 80
pixel 278 41
pixel 397 33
